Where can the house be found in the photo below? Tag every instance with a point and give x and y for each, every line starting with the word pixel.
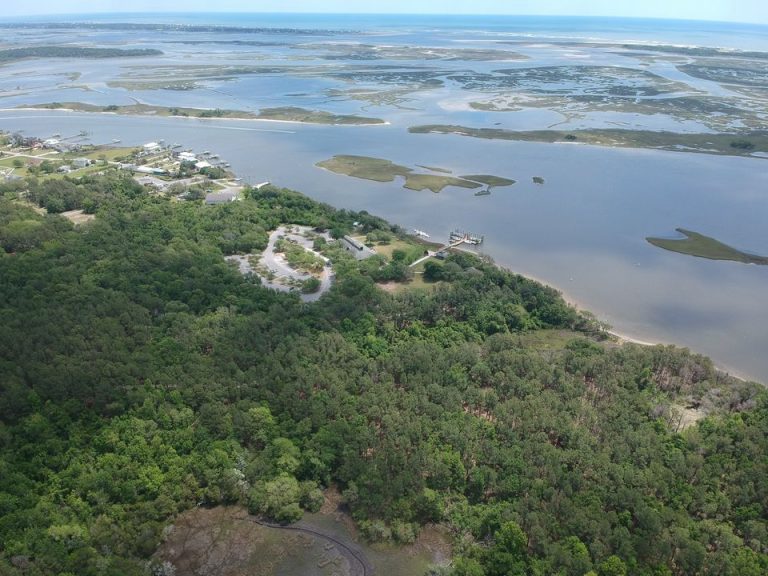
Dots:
pixel 187 157
pixel 148 170
pixel 220 197
pixel 202 164
pixel 81 162
pixel 359 250
pixel 64 169
pixel 151 147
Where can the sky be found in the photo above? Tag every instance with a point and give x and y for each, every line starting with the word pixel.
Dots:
pixel 751 11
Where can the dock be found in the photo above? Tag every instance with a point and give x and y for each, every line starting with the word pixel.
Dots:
pixel 456 239
pixel 462 236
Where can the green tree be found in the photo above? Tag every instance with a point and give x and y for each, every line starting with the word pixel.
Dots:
pixel 612 566
pixel 509 555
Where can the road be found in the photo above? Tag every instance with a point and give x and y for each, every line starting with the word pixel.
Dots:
pixel 282 271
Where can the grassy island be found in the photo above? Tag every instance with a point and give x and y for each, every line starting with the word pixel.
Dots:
pixel 14 54
pixel 295 114
pixel 746 144
pixel 489 180
pixel 285 113
pixel 695 244
pixel 380 170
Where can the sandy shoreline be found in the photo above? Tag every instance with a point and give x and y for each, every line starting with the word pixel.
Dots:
pixel 245 119
pixel 623 338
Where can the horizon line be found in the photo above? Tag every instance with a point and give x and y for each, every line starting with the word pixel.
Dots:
pixel 444 14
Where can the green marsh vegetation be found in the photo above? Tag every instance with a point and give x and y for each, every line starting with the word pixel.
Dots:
pixel 286 113
pixel 436 183
pixel 489 180
pixel 381 170
pixel 736 144
pixel 295 114
pixel 13 54
pixel 141 375
pixel 695 244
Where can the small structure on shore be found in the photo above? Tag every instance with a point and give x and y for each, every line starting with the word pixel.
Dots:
pixel 359 250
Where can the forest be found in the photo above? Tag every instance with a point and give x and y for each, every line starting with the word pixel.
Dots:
pixel 142 375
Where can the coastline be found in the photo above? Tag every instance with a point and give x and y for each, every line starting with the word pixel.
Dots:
pixel 621 336
pixel 624 338
pixel 243 119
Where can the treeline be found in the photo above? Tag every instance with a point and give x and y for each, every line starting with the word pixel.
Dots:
pixel 142 375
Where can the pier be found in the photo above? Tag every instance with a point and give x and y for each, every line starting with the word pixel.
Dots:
pixel 456 239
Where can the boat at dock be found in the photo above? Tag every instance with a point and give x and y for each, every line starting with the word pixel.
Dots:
pixel 466 237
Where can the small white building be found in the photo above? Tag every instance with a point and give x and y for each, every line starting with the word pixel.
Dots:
pixel 202 164
pixel 148 170
pixel 81 162
pixel 187 157
pixel 151 147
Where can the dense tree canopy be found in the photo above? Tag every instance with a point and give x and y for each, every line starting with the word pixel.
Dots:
pixel 141 375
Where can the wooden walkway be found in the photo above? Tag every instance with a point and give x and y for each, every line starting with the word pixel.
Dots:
pixel 444 247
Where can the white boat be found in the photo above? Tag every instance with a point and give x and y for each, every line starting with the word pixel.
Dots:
pixel 420 233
